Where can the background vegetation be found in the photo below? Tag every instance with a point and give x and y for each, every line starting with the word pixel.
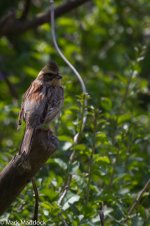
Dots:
pixel 109 44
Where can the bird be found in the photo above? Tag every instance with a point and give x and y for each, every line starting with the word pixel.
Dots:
pixel 41 103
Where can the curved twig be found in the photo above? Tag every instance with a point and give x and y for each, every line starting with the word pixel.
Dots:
pixel 67 61
pixel 84 105
pixel 60 52
pixel 139 196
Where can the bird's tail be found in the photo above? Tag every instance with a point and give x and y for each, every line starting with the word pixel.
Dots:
pixel 27 141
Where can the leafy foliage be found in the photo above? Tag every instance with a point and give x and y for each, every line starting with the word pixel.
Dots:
pixel 107 43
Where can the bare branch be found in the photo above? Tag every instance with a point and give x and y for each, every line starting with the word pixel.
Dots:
pixel 19 26
pixel 139 196
pixel 136 202
pixel 21 169
pixel 26 8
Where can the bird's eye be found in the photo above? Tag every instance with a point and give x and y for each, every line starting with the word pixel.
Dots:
pixel 49 74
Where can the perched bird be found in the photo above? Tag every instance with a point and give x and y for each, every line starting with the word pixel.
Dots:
pixel 41 103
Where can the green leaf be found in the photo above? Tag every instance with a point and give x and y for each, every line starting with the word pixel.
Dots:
pixel 106 103
pixel 71 201
pixel 101 159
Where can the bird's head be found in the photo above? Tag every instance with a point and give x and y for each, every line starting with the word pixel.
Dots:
pixel 50 74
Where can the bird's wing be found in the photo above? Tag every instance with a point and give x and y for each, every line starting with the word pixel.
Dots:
pixel 54 103
pixel 21 113
pixel 34 104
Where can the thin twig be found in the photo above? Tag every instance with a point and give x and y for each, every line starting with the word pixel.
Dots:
pixel 136 202
pixel 126 93
pixel 90 169
pixel 76 73
pixel 36 207
pixel 67 183
pixel 101 214
pixel 26 8
pixel 84 105
pixel 139 196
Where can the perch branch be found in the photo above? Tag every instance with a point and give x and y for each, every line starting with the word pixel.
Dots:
pixel 22 169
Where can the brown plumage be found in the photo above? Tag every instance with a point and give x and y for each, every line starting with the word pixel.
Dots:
pixel 41 102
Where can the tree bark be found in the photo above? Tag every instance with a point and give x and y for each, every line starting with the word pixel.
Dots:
pixel 22 168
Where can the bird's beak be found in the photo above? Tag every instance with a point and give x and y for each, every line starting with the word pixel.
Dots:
pixel 59 76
